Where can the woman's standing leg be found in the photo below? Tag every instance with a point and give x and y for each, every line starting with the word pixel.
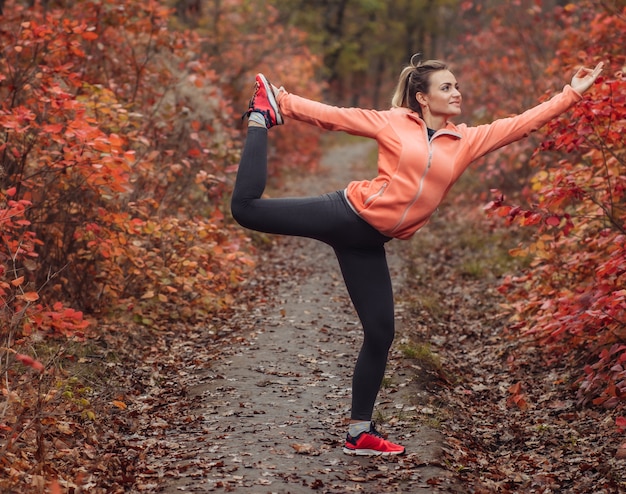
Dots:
pixel 367 278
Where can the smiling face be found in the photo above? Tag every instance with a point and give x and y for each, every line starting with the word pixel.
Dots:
pixel 443 99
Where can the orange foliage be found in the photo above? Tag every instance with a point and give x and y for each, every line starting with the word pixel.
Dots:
pixel 121 136
pixel 572 296
pixel 119 139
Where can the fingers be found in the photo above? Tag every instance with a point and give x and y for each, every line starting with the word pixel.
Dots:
pixel 581 72
pixel 598 69
pixel 592 75
pixel 595 72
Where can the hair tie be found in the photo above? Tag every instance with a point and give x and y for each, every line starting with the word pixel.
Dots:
pixel 416 60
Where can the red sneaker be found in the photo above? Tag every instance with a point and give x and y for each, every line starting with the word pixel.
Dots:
pixel 371 443
pixel 264 102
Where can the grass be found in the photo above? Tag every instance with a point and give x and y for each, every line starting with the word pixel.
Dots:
pixel 422 353
pixel 473 268
pixel 386 382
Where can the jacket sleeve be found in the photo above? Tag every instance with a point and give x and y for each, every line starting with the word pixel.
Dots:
pixel 366 123
pixel 486 138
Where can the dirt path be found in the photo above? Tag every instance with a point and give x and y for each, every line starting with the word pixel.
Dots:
pixel 268 414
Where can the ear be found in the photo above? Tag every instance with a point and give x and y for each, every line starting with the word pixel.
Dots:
pixel 421 99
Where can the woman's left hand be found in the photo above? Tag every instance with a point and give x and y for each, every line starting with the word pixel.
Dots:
pixel 584 78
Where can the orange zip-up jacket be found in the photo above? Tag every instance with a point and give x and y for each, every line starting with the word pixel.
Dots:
pixel 415 174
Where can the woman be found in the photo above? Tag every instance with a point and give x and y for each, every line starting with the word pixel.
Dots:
pixel 421 154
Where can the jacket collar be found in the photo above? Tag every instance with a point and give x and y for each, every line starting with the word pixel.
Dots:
pixel 450 129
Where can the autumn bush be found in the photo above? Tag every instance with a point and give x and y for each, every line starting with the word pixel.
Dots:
pixel 572 298
pixel 120 133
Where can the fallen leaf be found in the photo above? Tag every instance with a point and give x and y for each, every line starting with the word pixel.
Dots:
pixel 305 449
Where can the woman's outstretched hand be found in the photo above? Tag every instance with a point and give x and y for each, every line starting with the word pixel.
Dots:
pixel 584 78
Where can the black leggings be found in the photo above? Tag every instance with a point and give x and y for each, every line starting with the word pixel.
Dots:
pixel 359 247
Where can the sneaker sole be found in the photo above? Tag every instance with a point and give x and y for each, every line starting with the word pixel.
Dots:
pixel 271 98
pixel 370 452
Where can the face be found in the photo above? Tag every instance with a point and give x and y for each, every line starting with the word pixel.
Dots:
pixel 443 98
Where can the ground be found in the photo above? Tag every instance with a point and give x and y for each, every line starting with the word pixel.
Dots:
pixel 257 403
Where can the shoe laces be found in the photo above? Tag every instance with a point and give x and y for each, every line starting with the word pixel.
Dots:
pixel 257 86
pixel 251 102
pixel 374 432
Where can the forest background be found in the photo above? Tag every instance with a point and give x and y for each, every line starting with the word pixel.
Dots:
pixel 120 133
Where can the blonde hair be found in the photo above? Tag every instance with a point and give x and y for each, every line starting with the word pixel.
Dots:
pixel 415 78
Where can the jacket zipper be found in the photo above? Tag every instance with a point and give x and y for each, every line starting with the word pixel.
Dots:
pixel 380 192
pixel 421 184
